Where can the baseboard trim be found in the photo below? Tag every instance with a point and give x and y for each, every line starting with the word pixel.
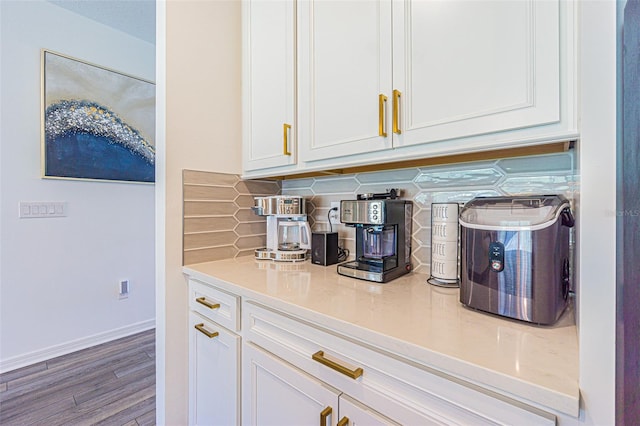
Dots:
pixel 74 345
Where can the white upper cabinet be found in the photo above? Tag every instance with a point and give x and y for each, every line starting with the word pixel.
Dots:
pixel 466 68
pixel 344 66
pixel 391 80
pixel 268 84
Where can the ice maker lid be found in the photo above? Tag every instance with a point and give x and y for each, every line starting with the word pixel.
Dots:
pixel 513 213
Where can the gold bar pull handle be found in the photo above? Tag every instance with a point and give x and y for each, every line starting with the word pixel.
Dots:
pixel 343 421
pixel 324 415
pixel 396 111
pixel 286 127
pixel 201 329
pixel 203 301
pixel 354 374
pixel 382 103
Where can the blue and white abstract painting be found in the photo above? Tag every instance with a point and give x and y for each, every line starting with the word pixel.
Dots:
pixel 98 123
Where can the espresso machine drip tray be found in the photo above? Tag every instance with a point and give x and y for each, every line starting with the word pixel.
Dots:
pixel 281 255
pixel 363 271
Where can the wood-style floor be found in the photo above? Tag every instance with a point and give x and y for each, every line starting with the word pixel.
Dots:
pixel 109 384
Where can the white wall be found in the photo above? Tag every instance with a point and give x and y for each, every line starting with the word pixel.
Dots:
pixel 59 276
pixel 201 67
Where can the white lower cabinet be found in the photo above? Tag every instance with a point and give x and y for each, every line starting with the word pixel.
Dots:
pixel 268 367
pixel 214 356
pixel 214 374
pixel 276 393
pixel 374 387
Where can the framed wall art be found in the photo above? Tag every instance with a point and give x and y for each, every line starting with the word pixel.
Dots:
pixel 97 123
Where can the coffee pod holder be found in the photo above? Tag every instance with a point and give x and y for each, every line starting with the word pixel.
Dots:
pixel 445 249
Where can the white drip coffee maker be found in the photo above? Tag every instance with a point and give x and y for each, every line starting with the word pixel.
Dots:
pixel 288 232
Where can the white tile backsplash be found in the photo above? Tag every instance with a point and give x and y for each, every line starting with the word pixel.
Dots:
pixel 541 174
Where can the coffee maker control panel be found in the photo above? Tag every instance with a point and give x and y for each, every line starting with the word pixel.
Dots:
pixel 375 212
pixel 289 206
pixel 365 212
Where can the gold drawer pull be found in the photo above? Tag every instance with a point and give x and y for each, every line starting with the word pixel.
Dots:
pixel 343 421
pixel 203 301
pixel 201 329
pixel 354 374
pixel 396 111
pixel 382 102
pixel 324 415
pixel 286 128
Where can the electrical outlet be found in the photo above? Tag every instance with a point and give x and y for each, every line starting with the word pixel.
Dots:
pixel 334 215
pixel 123 289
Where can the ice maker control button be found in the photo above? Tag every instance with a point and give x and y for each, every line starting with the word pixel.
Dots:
pixel 496 256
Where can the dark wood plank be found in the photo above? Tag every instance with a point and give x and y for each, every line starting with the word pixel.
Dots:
pixel 22 372
pixel 112 383
pixel 116 383
pixel 35 416
pixel 137 412
pixel 43 396
pixel 101 409
pixel 70 373
pixel 149 418
pixel 132 368
pixel 136 341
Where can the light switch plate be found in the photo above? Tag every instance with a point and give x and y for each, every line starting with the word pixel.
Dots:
pixel 31 209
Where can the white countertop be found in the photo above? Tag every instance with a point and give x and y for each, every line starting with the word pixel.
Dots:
pixel 420 322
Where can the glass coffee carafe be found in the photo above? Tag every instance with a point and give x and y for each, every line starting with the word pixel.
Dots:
pixel 293 235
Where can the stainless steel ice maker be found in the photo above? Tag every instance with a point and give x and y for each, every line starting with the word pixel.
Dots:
pixel 515 257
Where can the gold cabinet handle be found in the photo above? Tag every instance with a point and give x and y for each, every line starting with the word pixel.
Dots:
pixel 286 127
pixel 343 421
pixel 201 329
pixel 203 301
pixel 324 415
pixel 354 374
pixel 382 103
pixel 396 111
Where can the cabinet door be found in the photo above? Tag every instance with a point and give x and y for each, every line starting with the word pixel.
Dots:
pixel 353 413
pixel 467 68
pixel 344 56
pixel 277 394
pixel 214 374
pixel 269 127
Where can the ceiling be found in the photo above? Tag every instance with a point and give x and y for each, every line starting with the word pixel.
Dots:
pixel 134 17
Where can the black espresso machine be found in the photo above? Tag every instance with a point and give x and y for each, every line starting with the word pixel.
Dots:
pixel 383 236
